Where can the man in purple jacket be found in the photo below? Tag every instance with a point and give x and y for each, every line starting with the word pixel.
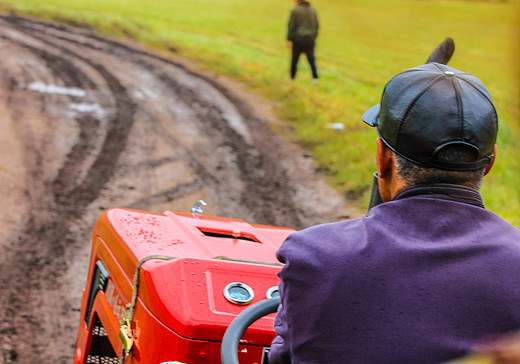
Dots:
pixel 429 273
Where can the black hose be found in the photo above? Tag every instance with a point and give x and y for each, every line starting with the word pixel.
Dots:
pixel 239 325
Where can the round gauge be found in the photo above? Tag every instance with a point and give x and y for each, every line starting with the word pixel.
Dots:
pixel 272 292
pixel 239 293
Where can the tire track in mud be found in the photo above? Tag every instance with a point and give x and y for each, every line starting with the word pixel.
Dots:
pixel 86 190
pixel 249 161
pixel 156 135
pixel 251 164
pixel 44 262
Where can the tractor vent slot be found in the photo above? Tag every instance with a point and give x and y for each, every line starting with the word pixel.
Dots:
pixel 228 234
pixel 99 283
pixel 101 351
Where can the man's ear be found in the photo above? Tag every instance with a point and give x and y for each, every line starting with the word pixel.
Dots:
pixel 384 159
pixel 488 167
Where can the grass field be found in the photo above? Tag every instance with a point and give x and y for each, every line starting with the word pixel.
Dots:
pixel 361 45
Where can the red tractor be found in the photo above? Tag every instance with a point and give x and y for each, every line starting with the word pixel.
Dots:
pixel 163 288
pixel 178 288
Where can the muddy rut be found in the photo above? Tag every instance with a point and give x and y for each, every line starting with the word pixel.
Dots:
pixel 88 123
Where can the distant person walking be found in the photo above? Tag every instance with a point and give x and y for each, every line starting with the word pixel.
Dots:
pixel 301 35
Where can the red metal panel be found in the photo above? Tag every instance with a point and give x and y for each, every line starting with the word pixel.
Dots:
pixel 155 343
pixel 181 312
pixel 187 295
pixel 182 235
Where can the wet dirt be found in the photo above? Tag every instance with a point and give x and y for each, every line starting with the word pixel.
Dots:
pixel 88 123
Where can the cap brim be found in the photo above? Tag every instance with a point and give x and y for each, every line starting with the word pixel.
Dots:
pixel 370 116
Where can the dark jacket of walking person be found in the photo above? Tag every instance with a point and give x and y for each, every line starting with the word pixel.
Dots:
pixel 302 32
pixel 426 275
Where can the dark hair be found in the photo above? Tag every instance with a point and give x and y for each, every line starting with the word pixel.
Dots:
pixel 414 174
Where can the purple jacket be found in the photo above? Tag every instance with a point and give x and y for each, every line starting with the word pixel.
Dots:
pixel 420 279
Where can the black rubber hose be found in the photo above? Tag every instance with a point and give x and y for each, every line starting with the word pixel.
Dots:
pixel 229 348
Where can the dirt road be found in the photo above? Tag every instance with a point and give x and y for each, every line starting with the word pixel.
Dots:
pixel 86 124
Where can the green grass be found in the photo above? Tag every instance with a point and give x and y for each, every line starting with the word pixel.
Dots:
pixel 361 45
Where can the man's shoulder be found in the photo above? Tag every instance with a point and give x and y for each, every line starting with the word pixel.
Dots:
pixel 332 227
pixel 328 232
pixel 322 242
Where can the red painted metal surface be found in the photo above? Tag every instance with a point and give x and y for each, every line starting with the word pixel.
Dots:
pixel 181 313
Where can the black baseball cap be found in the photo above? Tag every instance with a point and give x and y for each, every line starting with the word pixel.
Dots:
pixel 432 106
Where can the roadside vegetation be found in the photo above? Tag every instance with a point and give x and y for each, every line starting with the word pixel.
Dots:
pixel 361 45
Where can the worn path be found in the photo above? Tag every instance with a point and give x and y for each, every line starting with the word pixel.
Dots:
pixel 87 123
